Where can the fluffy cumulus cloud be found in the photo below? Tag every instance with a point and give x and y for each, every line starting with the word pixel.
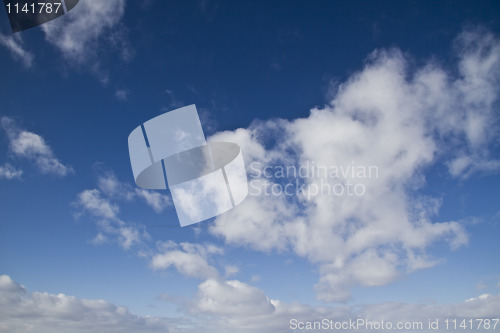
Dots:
pixel 191 260
pixel 231 298
pixel 355 210
pixel 15 45
pixel 233 306
pixel 219 306
pixel 32 147
pixel 41 312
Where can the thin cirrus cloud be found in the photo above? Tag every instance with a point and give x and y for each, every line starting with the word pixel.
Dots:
pixel 32 147
pixel 113 188
pixel 102 204
pixel 121 95
pixel 15 45
pixel 7 171
pixel 392 116
pixel 78 34
pixel 111 227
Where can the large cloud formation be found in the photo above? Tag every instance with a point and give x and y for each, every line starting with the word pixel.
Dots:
pixel 219 306
pixel 393 117
pixel 390 115
pixel 43 312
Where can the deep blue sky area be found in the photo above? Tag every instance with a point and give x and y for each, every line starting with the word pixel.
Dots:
pixel 235 52
pixel 423 242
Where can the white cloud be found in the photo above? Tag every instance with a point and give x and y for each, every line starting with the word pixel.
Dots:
pixel 401 121
pixel 231 270
pixel 42 312
pixel 479 298
pixel 31 146
pixel 231 298
pixel 189 259
pixel 102 205
pixel 91 24
pixel 255 278
pixel 110 225
pixel 174 103
pixel 474 95
pixel 234 306
pixel 76 34
pixel 121 95
pixel 15 45
pixel 99 239
pixel 115 189
pixel 219 306
pixel 155 200
pixel 112 187
pixel 7 171
pixel 92 201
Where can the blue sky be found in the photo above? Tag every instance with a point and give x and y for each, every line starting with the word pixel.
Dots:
pixel 410 87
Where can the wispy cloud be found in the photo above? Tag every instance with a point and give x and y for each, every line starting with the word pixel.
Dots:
pixel 7 171
pixel 121 95
pixel 79 34
pixel 127 234
pixel 102 204
pixel 174 103
pixel 32 147
pixel 231 270
pixel 155 200
pixel 14 43
pixel 387 115
pixel 115 189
